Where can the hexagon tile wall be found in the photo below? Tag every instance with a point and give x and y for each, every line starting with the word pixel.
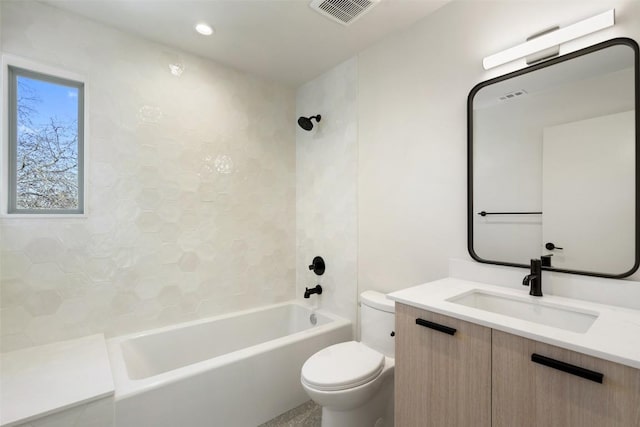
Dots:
pixel 191 196
pixel 326 196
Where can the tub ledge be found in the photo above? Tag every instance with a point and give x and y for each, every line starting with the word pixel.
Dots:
pixel 40 381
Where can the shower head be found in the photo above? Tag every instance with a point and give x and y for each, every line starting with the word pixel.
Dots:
pixel 305 122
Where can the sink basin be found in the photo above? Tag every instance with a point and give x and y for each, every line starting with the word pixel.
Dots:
pixel 539 312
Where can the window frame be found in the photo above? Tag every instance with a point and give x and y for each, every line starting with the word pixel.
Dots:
pixel 12 67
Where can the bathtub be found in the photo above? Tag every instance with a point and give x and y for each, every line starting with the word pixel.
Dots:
pixel 235 370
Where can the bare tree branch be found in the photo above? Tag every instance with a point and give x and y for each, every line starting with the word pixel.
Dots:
pixel 47 165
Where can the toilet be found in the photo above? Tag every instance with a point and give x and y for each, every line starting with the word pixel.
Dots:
pixel 353 381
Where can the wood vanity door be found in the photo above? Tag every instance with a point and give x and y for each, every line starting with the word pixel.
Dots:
pixel 528 394
pixel 441 380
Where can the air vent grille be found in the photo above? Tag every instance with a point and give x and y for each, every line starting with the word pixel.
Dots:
pixel 514 94
pixel 343 11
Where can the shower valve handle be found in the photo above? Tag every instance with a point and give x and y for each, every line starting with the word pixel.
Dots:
pixel 317 266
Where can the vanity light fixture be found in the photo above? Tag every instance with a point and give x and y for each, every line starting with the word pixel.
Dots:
pixel 204 29
pixel 554 38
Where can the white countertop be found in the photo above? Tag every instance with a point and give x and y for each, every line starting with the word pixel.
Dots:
pixel 614 336
pixel 41 380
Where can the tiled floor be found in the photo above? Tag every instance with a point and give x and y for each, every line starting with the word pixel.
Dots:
pixel 308 414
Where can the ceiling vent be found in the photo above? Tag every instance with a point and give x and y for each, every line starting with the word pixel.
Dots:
pixel 343 11
pixel 514 94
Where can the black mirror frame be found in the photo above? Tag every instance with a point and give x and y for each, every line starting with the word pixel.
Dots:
pixel 470 211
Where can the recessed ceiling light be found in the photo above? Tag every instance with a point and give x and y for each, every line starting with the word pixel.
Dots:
pixel 176 69
pixel 204 29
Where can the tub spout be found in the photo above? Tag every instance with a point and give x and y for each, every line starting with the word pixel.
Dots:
pixel 308 292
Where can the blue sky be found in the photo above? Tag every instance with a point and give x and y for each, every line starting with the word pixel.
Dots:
pixel 55 100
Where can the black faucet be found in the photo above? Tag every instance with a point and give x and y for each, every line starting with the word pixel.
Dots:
pixel 308 292
pixel 534 280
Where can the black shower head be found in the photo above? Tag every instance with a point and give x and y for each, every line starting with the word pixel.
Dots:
pixel 305 122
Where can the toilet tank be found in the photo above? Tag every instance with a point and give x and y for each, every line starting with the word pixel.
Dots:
pixel 377 322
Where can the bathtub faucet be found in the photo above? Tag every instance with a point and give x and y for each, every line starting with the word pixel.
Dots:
pixel 308 292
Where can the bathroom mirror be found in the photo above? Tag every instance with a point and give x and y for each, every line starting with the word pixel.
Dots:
pixel 552 163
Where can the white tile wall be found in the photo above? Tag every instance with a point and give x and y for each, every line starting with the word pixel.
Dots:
pixel 191 192
pixel 326 189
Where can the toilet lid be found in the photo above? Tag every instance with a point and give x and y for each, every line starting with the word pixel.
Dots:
pixel 342 366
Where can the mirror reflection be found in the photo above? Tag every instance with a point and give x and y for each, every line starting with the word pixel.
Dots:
pixel 553 159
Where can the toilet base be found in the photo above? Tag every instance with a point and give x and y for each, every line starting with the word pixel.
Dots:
pixel 376 412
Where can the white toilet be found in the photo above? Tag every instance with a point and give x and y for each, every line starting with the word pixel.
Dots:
pixel 353 381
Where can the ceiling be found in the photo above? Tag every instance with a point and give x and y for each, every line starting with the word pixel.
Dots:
pixel 281 40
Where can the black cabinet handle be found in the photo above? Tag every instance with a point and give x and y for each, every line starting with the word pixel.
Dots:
pixel 568 368
pixel 436 326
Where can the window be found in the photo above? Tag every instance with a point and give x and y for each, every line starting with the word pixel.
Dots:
pixel 46 129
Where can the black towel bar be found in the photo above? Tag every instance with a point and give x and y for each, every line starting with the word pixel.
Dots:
pixel 483 213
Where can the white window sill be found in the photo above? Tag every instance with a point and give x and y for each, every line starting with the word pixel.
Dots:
pixel 43 216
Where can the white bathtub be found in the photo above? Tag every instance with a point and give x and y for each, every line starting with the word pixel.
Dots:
pixel 234 370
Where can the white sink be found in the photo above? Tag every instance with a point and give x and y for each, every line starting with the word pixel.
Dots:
pixel 537 311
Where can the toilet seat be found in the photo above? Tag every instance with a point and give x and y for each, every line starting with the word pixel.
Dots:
pixel 342 366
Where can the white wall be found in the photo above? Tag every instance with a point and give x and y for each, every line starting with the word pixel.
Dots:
pixel 326 176
pixel 169 236
pixel 413 89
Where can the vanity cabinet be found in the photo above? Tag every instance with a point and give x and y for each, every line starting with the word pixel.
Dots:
pixel 441 380
pixel 483 377
pixel 528 393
